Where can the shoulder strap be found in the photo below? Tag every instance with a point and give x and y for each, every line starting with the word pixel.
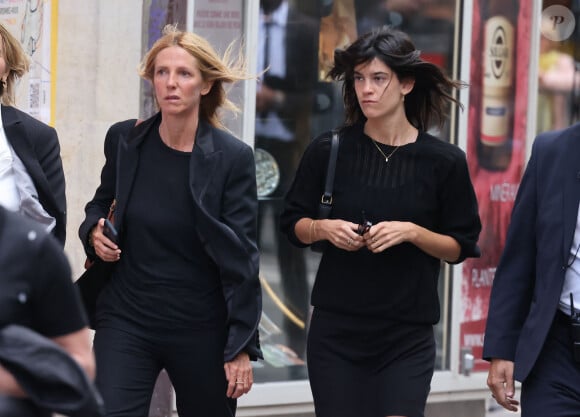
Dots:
pixel 326 199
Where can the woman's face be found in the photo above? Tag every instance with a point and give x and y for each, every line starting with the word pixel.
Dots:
pixel 379 91
pixel 178 82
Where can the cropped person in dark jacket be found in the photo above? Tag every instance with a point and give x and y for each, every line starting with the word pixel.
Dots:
pixel 371 349
pixel 31 175
pixel 184 294
pixel 39 295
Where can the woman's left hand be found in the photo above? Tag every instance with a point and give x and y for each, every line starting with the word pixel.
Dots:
pixel 239 375
pixel 384 235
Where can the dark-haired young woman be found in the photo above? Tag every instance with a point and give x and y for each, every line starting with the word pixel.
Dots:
pixel 371 349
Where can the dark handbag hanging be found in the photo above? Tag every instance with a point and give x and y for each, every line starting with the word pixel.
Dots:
pixel 325 205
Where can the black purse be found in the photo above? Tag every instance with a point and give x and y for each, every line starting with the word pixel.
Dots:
pixel 325 205
pixel 91 283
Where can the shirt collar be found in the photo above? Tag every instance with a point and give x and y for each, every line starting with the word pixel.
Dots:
pixel 279 17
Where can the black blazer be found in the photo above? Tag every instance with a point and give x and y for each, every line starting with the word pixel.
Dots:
pixel 299 82
pixel 37 146
pixel 530 275
pixel 223 188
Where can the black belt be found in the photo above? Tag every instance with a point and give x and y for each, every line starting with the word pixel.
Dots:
pixel 562 317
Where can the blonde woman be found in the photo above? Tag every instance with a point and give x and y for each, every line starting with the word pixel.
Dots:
pixel 184 294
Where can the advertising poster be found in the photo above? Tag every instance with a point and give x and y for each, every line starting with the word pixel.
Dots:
pixel 496 146
pixel 30 21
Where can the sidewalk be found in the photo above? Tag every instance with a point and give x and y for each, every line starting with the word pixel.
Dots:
pixel 498 411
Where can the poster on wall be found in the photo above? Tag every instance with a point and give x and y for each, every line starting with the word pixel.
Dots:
pixel 496 146
pixel 30 21
pixel 221 22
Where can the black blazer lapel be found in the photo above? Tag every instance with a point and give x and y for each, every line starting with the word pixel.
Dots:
pixel 571 197
pixel 203 162
pixel 16 135
pixel 127 161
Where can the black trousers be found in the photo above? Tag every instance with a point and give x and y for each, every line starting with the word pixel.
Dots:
pixel 128 366
pixel 553 387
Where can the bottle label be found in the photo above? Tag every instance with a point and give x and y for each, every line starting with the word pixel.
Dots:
pixel 495 120
pixel 497 80
pixel 499 53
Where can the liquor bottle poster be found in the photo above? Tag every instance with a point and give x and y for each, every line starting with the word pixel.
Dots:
pixel 34 23
pixel 496 146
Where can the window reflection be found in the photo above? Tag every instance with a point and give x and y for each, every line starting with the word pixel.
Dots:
pixel 559 74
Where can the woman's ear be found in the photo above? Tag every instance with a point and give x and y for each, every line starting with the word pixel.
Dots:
pixel 206 88
pixel 407 85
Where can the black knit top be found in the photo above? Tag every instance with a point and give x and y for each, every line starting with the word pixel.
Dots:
pixel 426 182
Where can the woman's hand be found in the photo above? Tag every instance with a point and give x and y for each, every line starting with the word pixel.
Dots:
pixel 105 249
pixel 384 235
pixel 239 375
pixel 340 233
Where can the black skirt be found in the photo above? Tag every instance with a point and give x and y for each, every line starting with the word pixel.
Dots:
pixel 369 367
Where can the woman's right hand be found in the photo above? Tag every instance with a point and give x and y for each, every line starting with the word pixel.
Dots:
pixel 340 233
pixel 105 249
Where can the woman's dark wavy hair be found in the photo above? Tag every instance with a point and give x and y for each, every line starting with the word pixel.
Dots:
pixel 425 105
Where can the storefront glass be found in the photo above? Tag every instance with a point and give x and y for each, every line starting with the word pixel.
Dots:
pixel 559 69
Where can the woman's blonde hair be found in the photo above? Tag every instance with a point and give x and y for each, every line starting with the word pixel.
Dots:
pixel 214 69
pixel 17 64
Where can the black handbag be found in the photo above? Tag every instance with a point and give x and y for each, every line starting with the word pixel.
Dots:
pixel 325 205
pixel 91 283
pixel 51 378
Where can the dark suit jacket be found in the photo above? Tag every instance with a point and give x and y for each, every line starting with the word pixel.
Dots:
pixel 37 146
pixel 529 278
pixel 223 188
pixel 299 82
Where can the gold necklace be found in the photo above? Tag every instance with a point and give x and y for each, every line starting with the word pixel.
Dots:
pixel 382 153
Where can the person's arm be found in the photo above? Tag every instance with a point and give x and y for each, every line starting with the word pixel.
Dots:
pixel 387 234
pixel 240 283
pixel 98 207
pixel 78 346
pixel 500 380
pixel 8 384
pixel 341 233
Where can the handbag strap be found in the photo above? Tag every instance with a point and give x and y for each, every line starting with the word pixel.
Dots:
pixel 326 199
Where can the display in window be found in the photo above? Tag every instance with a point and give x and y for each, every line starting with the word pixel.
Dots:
pixel 496 173
pixel 499 28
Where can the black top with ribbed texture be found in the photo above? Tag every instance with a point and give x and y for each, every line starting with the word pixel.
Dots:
pixel 425 182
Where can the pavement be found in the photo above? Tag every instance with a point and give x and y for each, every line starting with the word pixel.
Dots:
pixel 499 411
